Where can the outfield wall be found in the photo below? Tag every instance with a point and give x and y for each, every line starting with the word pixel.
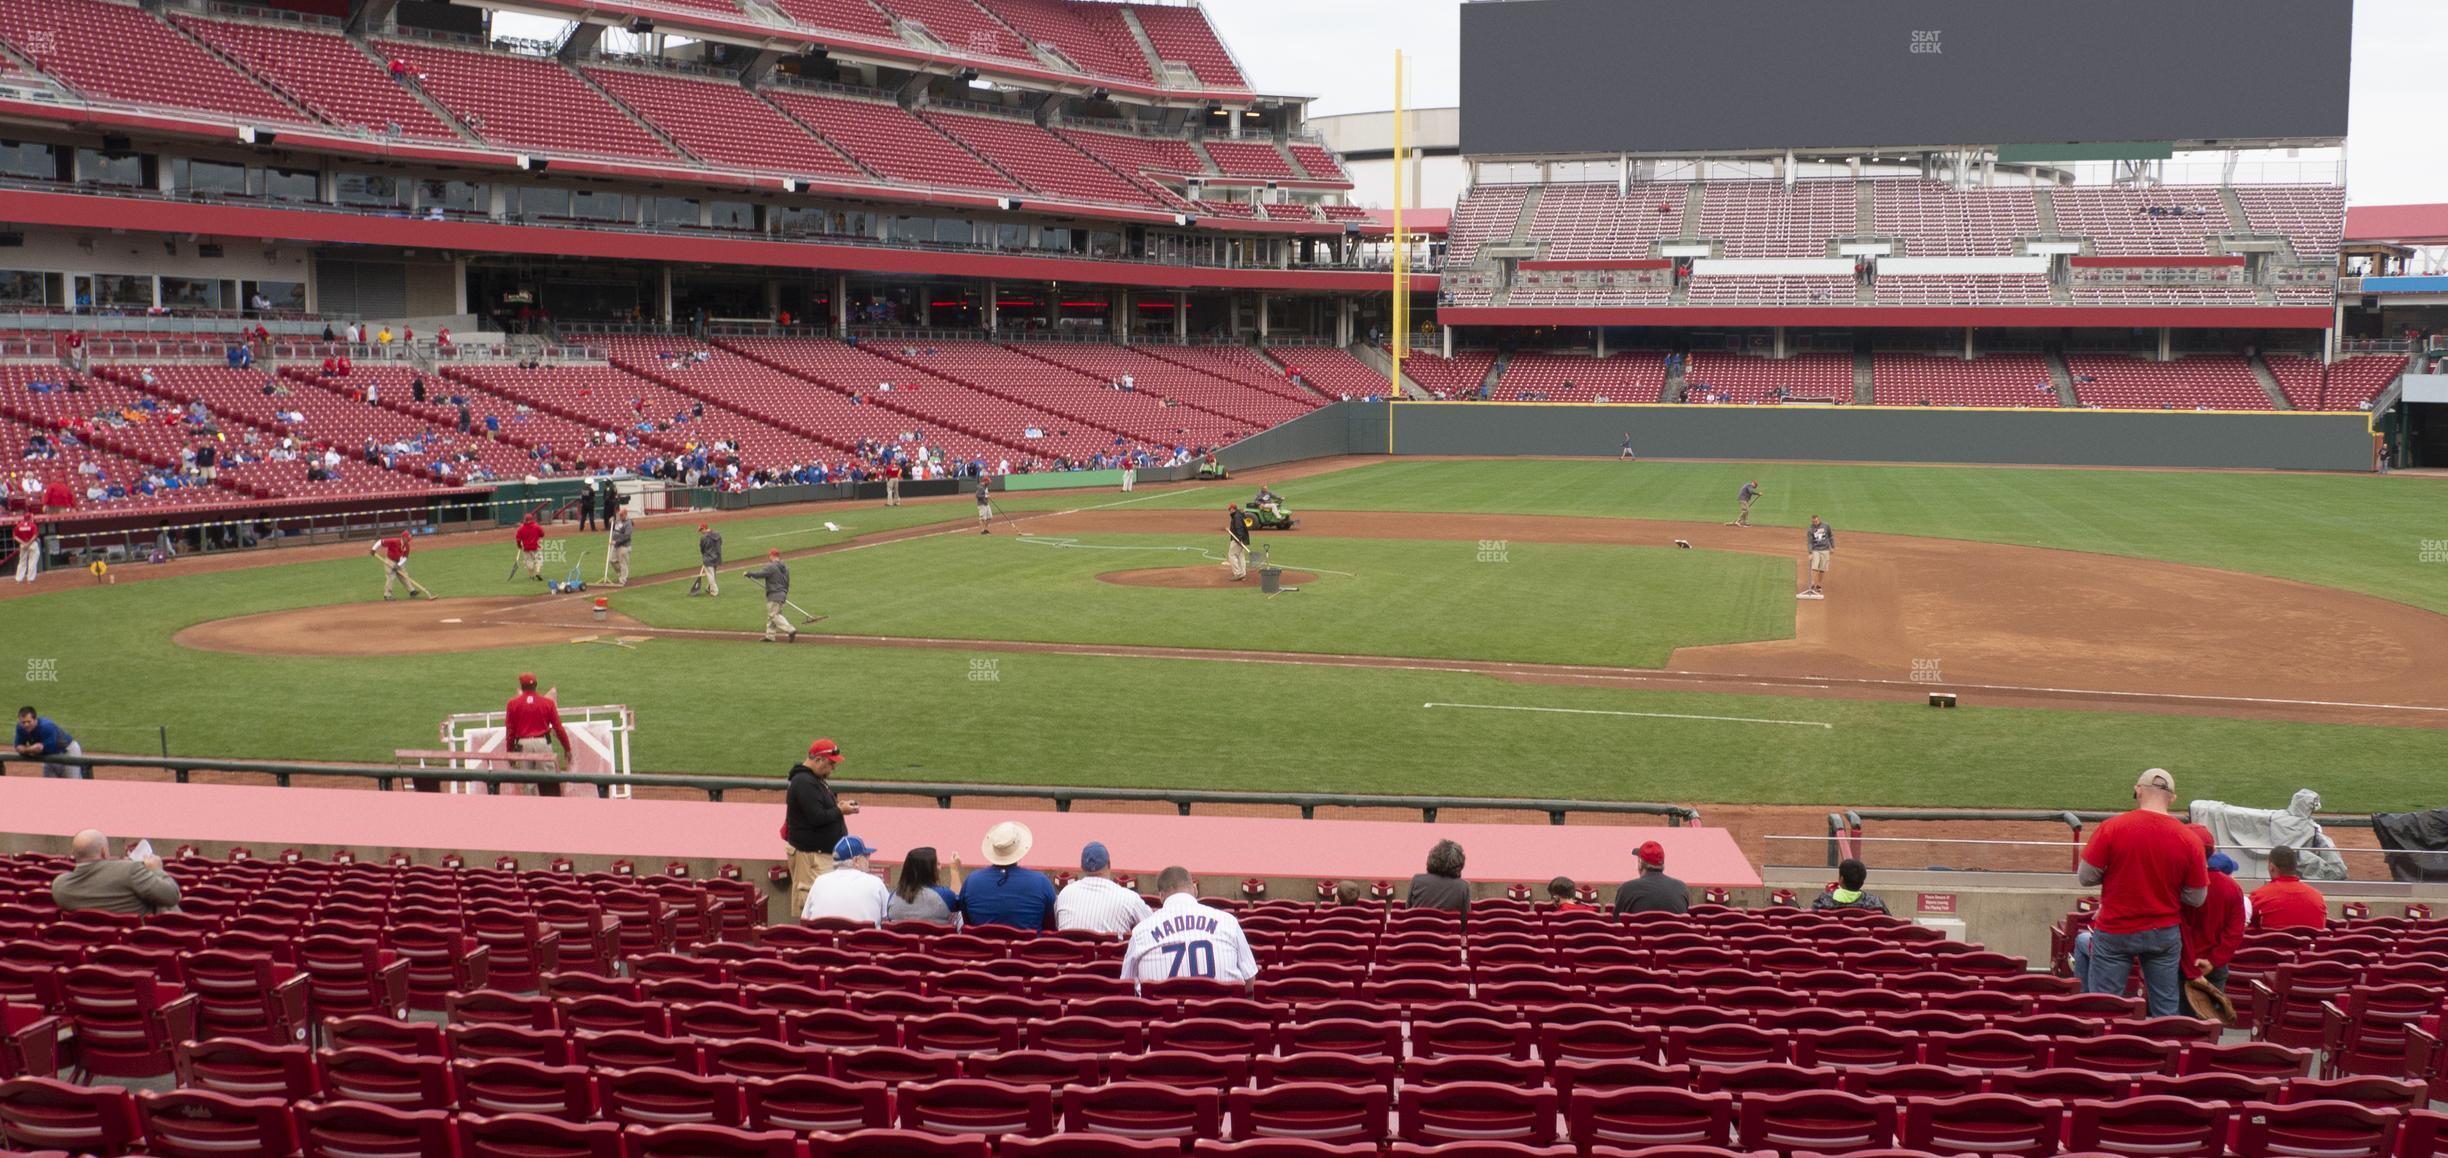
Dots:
pixel 1339 428
pixel 2129 438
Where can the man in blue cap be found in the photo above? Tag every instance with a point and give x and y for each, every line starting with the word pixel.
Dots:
pixel 1096 902
pixel 848 890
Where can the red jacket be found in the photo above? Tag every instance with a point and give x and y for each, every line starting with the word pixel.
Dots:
pixel 529 714
pixel 2215 930
pixel 530 536
pixel 27 532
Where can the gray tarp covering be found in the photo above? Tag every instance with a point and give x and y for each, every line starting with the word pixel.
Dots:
pixel 2248 834
pixel 2417 843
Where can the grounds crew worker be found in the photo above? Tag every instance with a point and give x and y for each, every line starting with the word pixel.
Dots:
pixel 531 545
pixel 1237 532
pixel 813 818
pixel 776 576
pixel 709 558
pixel 532 722
pixel 619 534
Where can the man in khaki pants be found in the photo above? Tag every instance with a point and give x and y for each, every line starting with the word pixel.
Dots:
pixel 1236 541
pixel 813 819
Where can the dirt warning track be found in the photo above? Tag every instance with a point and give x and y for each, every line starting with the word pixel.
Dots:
pixel 2000 625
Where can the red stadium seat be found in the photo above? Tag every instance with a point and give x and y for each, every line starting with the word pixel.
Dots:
pixel 350 977
pixel 529 1135
pixel 708 1142
pixel 1999 1124
pixel 1637 1116
pixel 894 1067
pixel 203 1124
pixel 1824 1121
pixel 359 1130
pixel 127 1025
pixel 523 1088
pixel 2366 1032
pixel 758 1058
pixel 1477 1111
pixel 2329 1129
pixel 2155 1126
pixel 382 1078
pixel 896 1144
pixel 962 1106
pixel 1143 1110
pixel 657 1096
pixel 240 1068
pixel 806 1103
pixel 1310 1111
pixel 41 1113
pixel 246 996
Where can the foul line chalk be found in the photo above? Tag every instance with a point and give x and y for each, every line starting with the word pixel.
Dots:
pixel 1644 715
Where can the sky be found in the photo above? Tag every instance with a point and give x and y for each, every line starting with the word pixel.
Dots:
pixel 1342 53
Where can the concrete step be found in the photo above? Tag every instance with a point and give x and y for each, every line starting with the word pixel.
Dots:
pixel 1862 378
pixel 2261 373
pixel 2062 377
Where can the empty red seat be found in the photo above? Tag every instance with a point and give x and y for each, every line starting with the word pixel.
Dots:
pixel 1646 1116
pixel 1312 1111
pixel 1984 1124
pixel 530 1135
pixel 808 1102
pixel 343 1129
pixel 127 1024
pixel 1477 1112
pixel 2326 1129
pixel 246 995
pixel 512 1086
pixel 964 1106
pixel 350 977
pixel 247 1069
pixel 1824 1121
pixel 1143 1110
pixel 45 1114
pixel 203 1124
pixel 897 1144
pixel 2148 1126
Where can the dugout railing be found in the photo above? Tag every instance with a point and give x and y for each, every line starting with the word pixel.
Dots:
pixel 388 778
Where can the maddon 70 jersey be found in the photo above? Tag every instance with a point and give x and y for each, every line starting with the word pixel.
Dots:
pixel 1188 939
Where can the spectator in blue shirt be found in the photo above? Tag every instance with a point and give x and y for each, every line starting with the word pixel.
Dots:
pixel 1008 894
pixel 40 736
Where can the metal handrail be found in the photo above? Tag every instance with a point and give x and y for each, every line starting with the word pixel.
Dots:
pixel 385 778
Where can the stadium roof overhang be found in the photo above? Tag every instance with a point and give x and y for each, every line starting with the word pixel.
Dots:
pixel 1901 317
pixel 1430 222
pixel 325 227
pixel 699 24
pixel 2398 224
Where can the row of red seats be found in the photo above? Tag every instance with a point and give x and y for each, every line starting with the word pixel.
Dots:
pixel 967 1117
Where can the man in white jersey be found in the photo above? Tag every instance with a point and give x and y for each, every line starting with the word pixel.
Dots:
pixel 1096 902
pixel 1184 938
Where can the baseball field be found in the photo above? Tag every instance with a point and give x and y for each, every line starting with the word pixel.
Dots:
pixel 1487 628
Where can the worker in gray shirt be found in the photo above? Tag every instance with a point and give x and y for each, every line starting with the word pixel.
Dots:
pixel 1821 539
pixel 618 564
pixel 709 559
pixel 776 575
pixel 1750 491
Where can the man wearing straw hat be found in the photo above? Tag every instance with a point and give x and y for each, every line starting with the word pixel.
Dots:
pixel 1007 893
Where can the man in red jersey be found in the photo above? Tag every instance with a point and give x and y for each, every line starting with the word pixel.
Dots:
pixel 532 722
pixel 393 551
pixel 531 546
pixel 2149 870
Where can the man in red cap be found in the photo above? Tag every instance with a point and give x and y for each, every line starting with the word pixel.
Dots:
pixel 533 722
pixel 1236 540
pixel 813 818
pixel 531 546
pixel 1652 891
pixel 393 551
pixel 28 535
pixel 709 560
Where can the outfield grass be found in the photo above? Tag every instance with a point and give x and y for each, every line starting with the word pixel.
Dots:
pixel 735 708
pixel 1528 603
pixel 2358 533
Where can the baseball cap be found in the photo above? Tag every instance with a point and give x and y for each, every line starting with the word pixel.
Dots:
pixel 2202 833
pixel 1094 858
pixel 703 526
pixel 825 750
pixel 773 552
pixel 2158 778
pixel 851 846
pixel 527 680
pixel 1652 854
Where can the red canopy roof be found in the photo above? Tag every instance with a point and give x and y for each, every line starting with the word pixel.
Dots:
pixel 2403 224
pixel 1429 221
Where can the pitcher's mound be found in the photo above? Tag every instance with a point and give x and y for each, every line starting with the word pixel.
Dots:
pixel 1209 577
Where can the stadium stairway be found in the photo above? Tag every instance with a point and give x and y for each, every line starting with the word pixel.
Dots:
pixel 2060 375
pixel 1139 36
pixel 1863 393
pixel 1375 359
pixel 1495 373
pixel 2238 221
pixel 2269 382
pixel 1674 380
pixel 652 129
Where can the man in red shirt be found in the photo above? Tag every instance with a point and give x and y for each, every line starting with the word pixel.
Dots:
pixel 2286 902
pixel 532 722
pixel 58 496
pixel 29 548
pixel 393 551
pixel 2214 931
pixel 2149 870
pixel 530 538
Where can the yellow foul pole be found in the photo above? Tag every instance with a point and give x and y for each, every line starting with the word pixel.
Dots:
pixel 1402 288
